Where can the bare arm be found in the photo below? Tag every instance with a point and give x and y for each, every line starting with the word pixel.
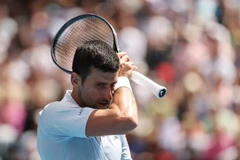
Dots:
pixel 121 117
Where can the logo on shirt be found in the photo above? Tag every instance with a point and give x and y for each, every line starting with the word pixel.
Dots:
pixel 80 112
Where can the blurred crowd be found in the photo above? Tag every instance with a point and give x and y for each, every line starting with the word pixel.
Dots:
pixel 190 46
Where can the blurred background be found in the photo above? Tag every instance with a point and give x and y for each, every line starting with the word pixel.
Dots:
pixel 190 46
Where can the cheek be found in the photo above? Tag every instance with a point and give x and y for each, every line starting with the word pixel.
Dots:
pixel 91 95
pixel 94 93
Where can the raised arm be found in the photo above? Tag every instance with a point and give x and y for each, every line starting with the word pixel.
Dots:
pixel 121 117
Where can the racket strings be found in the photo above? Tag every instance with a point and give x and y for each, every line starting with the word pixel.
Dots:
pixel 78 33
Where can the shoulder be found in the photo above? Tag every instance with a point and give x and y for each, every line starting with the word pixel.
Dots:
pixel 53 109
pixel 58 105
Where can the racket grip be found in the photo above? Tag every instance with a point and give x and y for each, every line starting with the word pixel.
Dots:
pixel 158 90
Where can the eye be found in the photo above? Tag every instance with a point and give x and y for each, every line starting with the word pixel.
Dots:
pixel 101 85
pixel 112 85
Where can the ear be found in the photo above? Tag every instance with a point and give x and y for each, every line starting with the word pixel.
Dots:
pixel 75 79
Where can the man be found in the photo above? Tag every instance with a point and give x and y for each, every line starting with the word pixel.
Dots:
pixel 91 121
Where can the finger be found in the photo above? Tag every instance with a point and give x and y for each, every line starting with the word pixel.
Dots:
pixel 131 65
pixel 121 54
pixel 124 58
pixel 135 68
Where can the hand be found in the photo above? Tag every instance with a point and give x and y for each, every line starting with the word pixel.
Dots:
pixel 126 65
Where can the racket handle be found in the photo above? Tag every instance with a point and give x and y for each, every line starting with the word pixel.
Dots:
pixel 158 90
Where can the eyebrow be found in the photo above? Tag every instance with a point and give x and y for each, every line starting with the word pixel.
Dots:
pixel 105 82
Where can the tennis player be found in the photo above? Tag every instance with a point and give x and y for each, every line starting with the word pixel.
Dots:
pixel 92 119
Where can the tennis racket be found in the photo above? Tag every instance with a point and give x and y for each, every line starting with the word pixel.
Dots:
pixel 88 27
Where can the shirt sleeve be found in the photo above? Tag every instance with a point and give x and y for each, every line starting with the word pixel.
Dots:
pixel 70 121
pixel 126 154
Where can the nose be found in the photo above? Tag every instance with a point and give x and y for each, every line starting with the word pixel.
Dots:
pixel 108 94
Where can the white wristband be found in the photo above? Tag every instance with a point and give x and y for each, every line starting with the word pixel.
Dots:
pixel 122 82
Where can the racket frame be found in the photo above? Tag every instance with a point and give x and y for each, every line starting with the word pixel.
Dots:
pixel 70 22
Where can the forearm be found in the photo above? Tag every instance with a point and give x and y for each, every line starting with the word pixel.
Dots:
pixel 125 104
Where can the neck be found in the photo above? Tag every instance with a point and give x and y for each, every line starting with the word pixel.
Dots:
pixel 76 97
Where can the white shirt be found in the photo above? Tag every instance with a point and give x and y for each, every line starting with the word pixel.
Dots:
pixel 62 135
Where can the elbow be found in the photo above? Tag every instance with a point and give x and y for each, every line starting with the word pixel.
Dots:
pixel 133 122
pixel 129 124
pixel 125 122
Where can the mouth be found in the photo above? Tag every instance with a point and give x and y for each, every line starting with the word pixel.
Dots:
pixel 103 105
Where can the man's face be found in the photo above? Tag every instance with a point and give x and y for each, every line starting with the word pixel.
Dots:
pixel 97 89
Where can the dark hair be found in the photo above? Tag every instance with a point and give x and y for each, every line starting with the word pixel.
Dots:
pixel 97 54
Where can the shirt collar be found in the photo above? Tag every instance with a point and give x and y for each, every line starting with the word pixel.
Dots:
pixel 68 98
